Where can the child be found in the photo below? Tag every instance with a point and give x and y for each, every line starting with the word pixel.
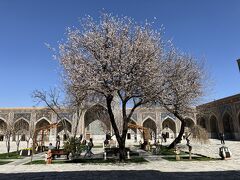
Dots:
pixel 46 157
pixel 49 157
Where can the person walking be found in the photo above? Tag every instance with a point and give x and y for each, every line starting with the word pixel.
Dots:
pixel 90 145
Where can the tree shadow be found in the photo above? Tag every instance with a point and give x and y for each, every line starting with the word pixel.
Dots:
pixel 124 175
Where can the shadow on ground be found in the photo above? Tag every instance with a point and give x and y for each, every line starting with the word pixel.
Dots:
pixel 124 175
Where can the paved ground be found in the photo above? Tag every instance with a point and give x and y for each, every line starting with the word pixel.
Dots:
pixel 124 175
pixel 157 168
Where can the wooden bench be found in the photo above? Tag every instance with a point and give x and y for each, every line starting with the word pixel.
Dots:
pixel 113 151
pixel 58 152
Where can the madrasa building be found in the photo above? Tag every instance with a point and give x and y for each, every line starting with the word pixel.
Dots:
pixel 221 115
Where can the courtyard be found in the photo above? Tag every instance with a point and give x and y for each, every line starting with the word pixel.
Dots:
pixel 131 90
pixel 155 168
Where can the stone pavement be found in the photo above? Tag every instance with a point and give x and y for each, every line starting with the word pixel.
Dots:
pixel 155 169
pixel 211 149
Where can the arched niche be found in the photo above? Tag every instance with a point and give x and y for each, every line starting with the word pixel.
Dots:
pixel 151 125
pixel 61 126
pixel 169 128
pixel 3 126
pixel 21 128
pixel 202 122
pixel 189 122
pixel 96 122
pixel 60 129
pixel 214 127
pixel 239 120
pixel 228 126
pixel 42 135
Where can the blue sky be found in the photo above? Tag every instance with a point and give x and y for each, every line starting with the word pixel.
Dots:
pixel 206 29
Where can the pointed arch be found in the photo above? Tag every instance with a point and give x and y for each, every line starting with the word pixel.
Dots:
pixel 202 122
pixel 44 119
pixel 68 124
pixel 21 128
pixel 21 124
pixel 169 127
pixel 189 122
pixel 239 120
pixel 228 125
pixel 213 126
pixel 43 135
pixel 3 126
pixel 60 129
pixel 151 125
pixel 42 122
pixel 96 121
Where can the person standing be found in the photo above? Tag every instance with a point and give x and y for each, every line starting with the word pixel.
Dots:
pixel 222 141
pixel 49 157
pixel 222 138
pixel 58 142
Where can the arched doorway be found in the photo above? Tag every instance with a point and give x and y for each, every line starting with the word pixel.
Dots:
pixel 3 126
pixel 60 129
pixel 213 127
pixel 151 125
pixel 169 128
pixel 97 123
pixel 43 135
pixel 202 122
pixel 239 121
pixel 228 126
pixel 189 122
pixel 21 129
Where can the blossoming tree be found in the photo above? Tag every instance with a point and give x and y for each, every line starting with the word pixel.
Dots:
pixel 119 58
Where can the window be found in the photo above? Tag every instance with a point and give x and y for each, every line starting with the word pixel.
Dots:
pixel 128 136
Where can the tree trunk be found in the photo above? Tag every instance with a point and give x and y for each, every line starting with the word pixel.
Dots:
pixel 79 114
pixel 18 143
pixel 179 137
pixel 8 145
pixel 120 139
pixel 122 152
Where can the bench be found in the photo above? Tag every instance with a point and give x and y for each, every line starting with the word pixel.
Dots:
pixel 58 152
pixel 113 151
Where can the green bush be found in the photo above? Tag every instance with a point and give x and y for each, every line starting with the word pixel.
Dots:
pixel 73 145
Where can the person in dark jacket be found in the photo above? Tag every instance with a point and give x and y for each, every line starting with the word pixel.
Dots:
pixel 221 135
pixel 89 148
